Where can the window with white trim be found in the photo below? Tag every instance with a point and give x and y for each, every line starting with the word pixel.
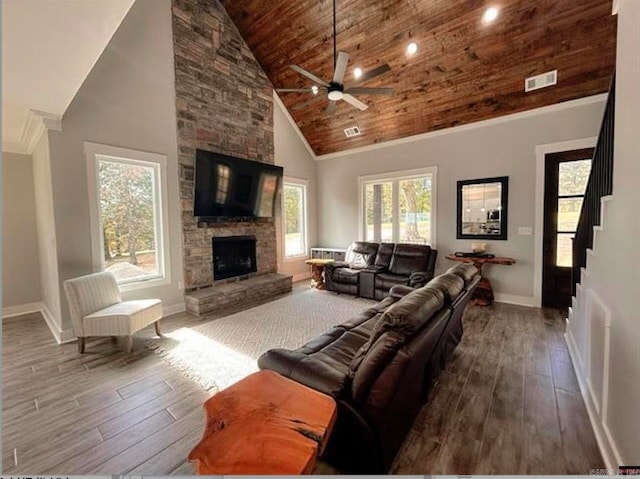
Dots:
pixel 399 207
pixel 127 190
pixel 294 218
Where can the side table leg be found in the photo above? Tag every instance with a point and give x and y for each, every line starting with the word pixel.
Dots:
pixel 483 295
pixel 317 278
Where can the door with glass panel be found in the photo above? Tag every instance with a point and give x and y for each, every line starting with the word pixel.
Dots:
pixel 566 177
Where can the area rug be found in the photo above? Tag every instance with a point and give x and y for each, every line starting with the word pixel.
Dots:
pixel 222 351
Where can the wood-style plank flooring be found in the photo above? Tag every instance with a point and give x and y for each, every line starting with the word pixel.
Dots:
pixel 508 403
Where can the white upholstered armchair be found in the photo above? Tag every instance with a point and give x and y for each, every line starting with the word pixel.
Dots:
pixel 98 310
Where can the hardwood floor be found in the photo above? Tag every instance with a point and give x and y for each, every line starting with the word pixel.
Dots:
pixel 508 403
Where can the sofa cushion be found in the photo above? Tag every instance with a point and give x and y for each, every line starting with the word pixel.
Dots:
pixel 361 254
pixel 387 280
pixel 345 275
pixel 367 367
pixel 408 258
pixel 409 314
pixel 385 252
pixel 341 352
pixel 451 285
pixel 466 271
pixel 319 342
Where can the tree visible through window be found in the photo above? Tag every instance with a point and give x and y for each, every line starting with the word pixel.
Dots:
pixel 295 219
pixel 128 205
pixel 399 209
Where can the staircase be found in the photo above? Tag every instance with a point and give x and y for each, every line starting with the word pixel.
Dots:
pixel 600 186
pixel 588 331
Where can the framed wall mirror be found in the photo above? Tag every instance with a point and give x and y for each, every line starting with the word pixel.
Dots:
pixel 482 208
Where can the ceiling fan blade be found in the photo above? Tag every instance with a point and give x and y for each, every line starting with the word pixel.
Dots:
pixel 354 101
pixel 305 104
pixel 294 90
pixel 373 73
pixel 369 91
pixel 309 75
pixel 341 67
pixel 331 107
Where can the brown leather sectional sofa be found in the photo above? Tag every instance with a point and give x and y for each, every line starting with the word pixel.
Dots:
pixel 371 269
pixel 380 365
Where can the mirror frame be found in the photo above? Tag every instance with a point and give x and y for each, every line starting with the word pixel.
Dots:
pixel 504 203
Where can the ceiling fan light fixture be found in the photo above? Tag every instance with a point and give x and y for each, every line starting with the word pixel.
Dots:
pixel 314 89
pixel 490 15
pixel 335 95
pixel 357 72
pixel 412 48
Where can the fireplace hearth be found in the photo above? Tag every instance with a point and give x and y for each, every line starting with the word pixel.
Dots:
pixel 233 256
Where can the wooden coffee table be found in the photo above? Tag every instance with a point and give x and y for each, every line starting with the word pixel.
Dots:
pixel 264 424
pixel 483 295
pixel 317 271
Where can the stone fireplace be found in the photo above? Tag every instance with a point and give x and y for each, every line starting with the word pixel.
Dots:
pixel 224 104
pixel 233 256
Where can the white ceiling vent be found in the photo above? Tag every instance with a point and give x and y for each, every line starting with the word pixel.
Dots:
pixel 353 131
pixel 541 81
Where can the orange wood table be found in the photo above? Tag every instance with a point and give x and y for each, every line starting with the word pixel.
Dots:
pixel 483 295
pixel 264 424
pixel 317 271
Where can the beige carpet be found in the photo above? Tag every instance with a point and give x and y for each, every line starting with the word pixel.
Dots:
pixel 220 352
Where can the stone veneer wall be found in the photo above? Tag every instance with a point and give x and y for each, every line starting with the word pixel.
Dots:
pixel 224 104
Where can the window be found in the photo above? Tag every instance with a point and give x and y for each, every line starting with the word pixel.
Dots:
pixel 295 218
pixel 399 207
pixel 127 191
pixel 572 184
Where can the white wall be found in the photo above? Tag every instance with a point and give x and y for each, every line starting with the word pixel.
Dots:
pixel 604 329
pixel 20 265
pixel 292 154
pixel 128 100
pixel 46 227
pixel 504 148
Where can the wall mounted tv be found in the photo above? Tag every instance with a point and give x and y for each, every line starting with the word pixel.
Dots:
pixel 228 187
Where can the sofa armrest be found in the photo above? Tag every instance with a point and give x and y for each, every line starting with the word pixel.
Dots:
pixel 336 264
pixel 400 290
pixel 418 279
pixel 305 369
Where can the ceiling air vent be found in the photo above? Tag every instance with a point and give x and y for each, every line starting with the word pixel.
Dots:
pixel 541 81
pixel 353 131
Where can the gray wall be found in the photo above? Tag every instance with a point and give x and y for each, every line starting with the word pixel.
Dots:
pixel 503 149
pixel 128 100
pixel 291 153
pixel 20 265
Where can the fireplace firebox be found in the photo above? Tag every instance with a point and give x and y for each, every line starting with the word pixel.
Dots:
pixel 233 256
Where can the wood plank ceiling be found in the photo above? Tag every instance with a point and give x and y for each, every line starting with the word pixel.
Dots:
pixel 464 71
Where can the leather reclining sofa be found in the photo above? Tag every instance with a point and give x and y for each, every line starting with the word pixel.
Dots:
pixel 370 269
pixel 380 366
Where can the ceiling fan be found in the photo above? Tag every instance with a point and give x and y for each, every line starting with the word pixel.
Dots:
pixel 335 89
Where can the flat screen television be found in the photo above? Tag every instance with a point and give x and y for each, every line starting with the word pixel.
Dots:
pixel 228 187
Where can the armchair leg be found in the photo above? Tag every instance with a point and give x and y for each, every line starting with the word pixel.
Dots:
pixel 81 345
pixel 130 343
pixel 157 326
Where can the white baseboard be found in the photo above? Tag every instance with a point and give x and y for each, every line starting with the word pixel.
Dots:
pixel 514 299
pixel 301 276
pixel 173 309
pixel 21 309
pixel 606 444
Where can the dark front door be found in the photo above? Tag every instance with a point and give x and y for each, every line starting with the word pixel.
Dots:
pixel 566 177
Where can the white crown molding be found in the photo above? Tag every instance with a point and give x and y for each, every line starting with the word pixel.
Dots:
pixel 616 6
pixel 471 126
pixel 35 125
pixel 277 99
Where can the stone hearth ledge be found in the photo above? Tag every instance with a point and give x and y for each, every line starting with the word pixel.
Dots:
pixel 248 291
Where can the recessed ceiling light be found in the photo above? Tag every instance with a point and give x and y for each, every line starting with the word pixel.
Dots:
pixel 357 72
pixel 490 14
pixel 314 89
pixel 412 48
